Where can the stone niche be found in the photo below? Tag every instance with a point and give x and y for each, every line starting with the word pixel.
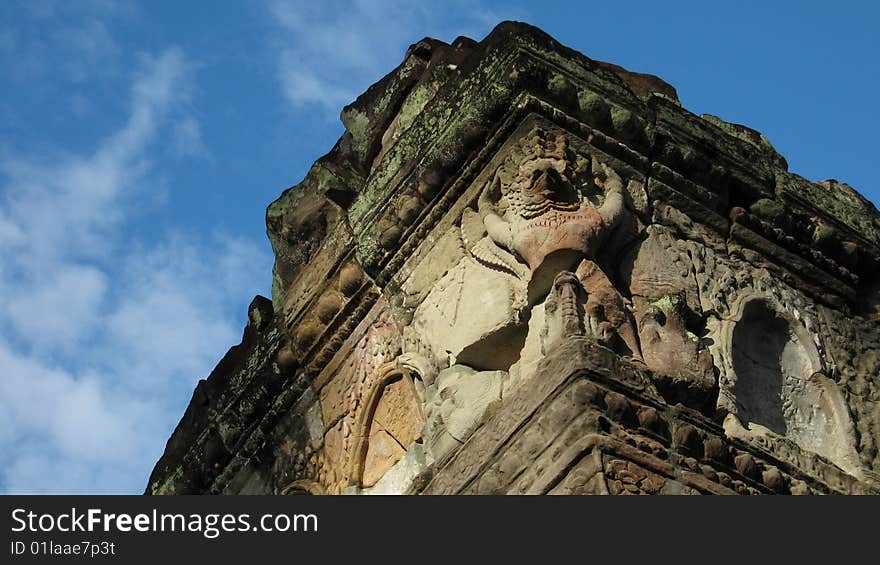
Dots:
pixel 521 270
pixel 772 369
pixel 391 421
pixel 780 389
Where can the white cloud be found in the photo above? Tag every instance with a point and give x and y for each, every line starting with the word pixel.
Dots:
pixel 302 86
pixel 73 413
pixel 188 139
pixel 99 423
pixel 178 311
pixel 102 333
pixel 64 205
pixel 57 313
pixel 62 214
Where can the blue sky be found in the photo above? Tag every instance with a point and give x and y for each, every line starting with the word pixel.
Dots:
pixel 140 144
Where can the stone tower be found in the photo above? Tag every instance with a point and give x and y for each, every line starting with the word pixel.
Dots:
pixel 524 271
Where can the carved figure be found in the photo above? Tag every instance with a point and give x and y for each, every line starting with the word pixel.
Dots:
pixel 546 201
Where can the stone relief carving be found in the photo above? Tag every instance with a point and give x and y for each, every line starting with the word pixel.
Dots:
pixel 681 364
pixel 520 272
pixel 545 208
pixel 342 399
pixel 440 275
pixel 550 206
pixel 608 312
pixel 472 315
pixel 490 316
pixel 456 404
pixel 776 387
pixel 390 420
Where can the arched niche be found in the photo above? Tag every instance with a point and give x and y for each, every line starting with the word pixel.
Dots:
pixel 771 365
pixel 779 386
pixel 390 420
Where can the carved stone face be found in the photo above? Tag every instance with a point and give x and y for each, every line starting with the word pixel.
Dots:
pixel 543 181
pixel 544 199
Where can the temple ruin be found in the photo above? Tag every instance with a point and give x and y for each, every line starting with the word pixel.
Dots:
pixel 524 271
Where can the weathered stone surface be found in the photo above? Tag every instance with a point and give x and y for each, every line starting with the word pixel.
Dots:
pixel 445 318
pixel 397 422
pixel 523 271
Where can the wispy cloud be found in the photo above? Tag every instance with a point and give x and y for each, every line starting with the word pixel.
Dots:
pixel 103 333
pixel 332 51
pixel 188 139
pixel 62 191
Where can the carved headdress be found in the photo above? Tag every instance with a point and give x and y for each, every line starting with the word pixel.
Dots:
pixel 546 198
